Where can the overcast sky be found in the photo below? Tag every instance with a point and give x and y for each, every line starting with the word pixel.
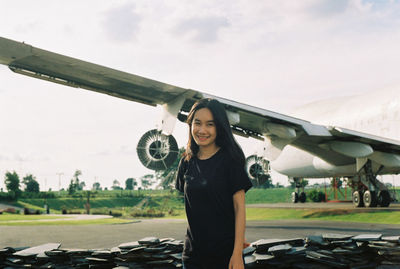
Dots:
pixel 272 54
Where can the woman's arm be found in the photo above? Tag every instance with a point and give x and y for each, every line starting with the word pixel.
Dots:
pixel 236 261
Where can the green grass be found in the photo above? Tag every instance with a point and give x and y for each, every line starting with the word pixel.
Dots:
pixel 384 217
pixel 78 203
pixel 171 202
pixel 11 217
pixel 69 222
pixel 262 196
pixel 273 213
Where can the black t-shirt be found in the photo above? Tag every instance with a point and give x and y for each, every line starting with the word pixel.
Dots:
pixel 208 187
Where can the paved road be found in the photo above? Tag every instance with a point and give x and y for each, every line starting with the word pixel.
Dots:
pixel 107 236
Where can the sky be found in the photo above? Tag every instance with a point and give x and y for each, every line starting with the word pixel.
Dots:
pixel 277 55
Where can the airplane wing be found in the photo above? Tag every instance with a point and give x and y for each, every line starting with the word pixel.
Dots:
pixel 336 145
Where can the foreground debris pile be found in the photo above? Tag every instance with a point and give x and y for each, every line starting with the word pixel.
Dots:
pixel 326 251
pixel 323 251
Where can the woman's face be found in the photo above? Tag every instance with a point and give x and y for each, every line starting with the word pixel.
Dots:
pixel 203 130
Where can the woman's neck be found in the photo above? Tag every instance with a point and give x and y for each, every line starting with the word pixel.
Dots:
pixel 207 152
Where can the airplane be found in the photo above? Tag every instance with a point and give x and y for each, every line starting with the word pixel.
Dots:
pixel 292 146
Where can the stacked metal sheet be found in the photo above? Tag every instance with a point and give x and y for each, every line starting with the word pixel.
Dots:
pixel 149 252
pixel 326 251
pixel 317 251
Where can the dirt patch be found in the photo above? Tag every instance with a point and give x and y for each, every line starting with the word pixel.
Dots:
pixel 333 212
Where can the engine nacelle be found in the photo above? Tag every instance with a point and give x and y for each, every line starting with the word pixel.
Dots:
pixel 157 151
pixel 257 169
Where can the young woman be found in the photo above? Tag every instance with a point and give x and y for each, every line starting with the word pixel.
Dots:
pixel 212 177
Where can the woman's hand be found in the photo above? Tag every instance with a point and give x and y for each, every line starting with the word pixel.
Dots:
pixel 236 262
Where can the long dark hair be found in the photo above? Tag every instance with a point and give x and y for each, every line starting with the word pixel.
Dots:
pixel 224 140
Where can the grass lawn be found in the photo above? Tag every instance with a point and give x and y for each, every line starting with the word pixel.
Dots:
pixel 383 217
pixel 172 205
pixel 11 217
pixel 68 222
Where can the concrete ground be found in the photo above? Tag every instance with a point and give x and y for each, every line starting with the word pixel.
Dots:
pixel 111 235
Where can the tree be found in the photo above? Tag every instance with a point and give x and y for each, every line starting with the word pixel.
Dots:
pixel 116 185
pixel 71 187
pixel 81 185
pixel 12 184
pixel 74 184
pixel 336 182
pixel 263 181
pixel 31 185
pixel 302 183
pixel 96 186
pixel 147 181
pixel 130 183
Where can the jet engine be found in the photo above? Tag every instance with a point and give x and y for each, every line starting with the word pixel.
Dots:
pixel 157 151
pixel 257 169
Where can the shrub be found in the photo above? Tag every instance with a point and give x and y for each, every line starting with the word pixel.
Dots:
pixel 6 197
pixel 316 196
pixel 149 213
pixel 105 211
pixel 29 211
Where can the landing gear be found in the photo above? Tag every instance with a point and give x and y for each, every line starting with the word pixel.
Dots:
pixel 357 199
pixel 369 191
pixel 295 197
pixel 384 198
pixel 302 197
pixel 370 199
pixel 299 196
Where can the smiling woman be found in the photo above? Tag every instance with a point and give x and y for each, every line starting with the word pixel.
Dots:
pixel 212 177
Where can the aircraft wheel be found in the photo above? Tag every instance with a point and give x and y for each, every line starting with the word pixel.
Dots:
pixel 157 151
pixel 295 197
pixel 302 197
pixel 357 199
pixel 384 198
pixel 370 199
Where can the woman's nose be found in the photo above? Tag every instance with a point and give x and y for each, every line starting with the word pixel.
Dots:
pixel 202 129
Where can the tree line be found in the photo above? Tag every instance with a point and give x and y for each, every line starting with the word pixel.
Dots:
pixel 164 179
pixel 29 187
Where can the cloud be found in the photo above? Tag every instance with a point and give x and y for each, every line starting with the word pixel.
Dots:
pixel 122 23
pixel 202 29
pixel 4 158
pixel 122 150
pixel 325 8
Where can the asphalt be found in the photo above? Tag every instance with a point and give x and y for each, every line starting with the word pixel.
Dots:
pixel 111 235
